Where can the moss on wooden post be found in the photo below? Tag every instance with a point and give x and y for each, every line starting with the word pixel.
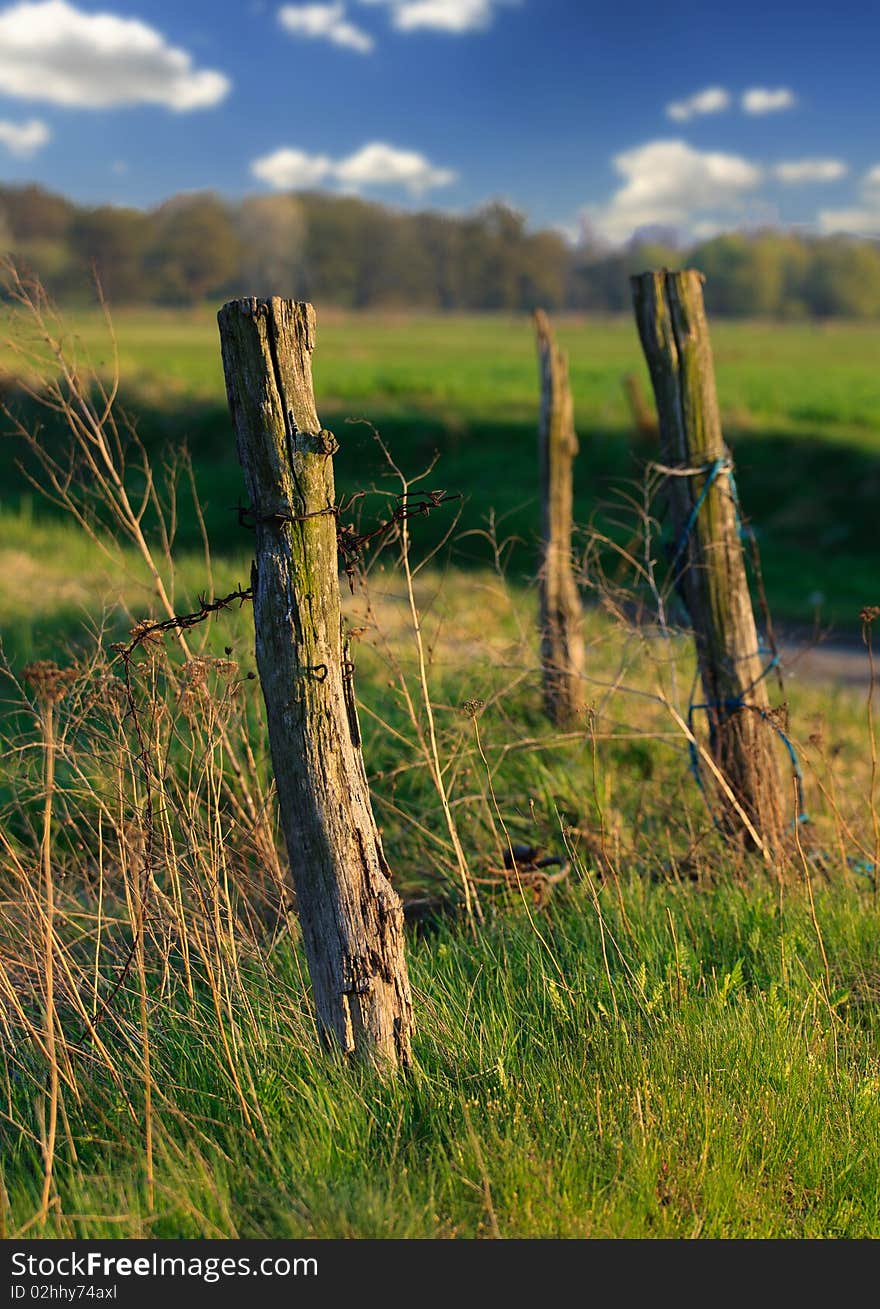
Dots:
pixel 351 917
pixel 561 613
pixel 708 555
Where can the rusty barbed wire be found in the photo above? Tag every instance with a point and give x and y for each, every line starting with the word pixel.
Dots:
pixel 350 542
pixel 147 631
pixel 351 545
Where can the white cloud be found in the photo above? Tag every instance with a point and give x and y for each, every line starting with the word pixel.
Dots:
pixel 810 170
pixel 851 222
pixel 712 100
pixel 376 164
pixel 861 220
pixel 23 139
pixel 51 51
pixel 671 183
pixel 327 22
pixel 453 16
pixel 292 170
pixel 762 100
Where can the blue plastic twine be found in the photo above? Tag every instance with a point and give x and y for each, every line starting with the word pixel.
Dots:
pixel 734 703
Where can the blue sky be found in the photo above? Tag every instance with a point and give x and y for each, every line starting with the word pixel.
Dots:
pixel 692 115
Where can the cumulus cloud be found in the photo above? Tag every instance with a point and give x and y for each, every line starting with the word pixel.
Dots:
pixel 671 183
pixel 23 139
pixel 376 164
pixel 762 100
pixel 52 51
pixel 860 220
pixel 849 222
pixel 453 16
pixel 810 170
pixel 325 22
pixel 712 100
pixel 292 170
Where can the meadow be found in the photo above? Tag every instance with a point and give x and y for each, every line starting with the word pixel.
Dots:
pixel 674 1040
pixel 801 409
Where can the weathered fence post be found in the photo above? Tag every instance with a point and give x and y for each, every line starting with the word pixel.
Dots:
pixel 561 613
pixel 707 554
pixel 351 917
pixel 643 418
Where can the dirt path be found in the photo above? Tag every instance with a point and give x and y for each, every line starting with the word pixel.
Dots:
pixel 842 661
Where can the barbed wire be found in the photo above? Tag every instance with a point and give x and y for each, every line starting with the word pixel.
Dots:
pixel 350 542
pixel 351 545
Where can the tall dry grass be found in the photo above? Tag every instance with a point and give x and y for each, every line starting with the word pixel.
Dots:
pixel 146 924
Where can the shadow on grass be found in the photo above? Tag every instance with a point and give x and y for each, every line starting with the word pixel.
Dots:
pixel 811 500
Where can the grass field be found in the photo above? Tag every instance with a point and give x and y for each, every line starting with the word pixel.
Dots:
pixel 675 1041
pixel 801 406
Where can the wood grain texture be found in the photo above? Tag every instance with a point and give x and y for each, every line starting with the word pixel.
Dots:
pixel 561 612
pixel 710 565
pixel 352 919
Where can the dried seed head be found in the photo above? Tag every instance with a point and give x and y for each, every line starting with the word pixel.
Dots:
pixel 197 671
pixel 49 682
pixel 145 633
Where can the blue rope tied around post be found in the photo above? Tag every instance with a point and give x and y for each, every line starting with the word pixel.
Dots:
pixel 714 470
pixel 731 705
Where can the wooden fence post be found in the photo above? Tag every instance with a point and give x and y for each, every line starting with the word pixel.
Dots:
pixel 352 919
pixel 643 418
pixel 561 613
pixel 707 554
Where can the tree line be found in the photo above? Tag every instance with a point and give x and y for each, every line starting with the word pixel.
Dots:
pixel 346 251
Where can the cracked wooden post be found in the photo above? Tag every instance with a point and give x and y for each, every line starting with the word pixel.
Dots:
pixel 708 556
pixel 352 919
pixel 561 613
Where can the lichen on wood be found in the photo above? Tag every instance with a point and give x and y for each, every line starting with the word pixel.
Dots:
pixel 351 916
pixel 708 556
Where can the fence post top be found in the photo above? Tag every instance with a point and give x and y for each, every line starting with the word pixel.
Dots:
pixel 298 313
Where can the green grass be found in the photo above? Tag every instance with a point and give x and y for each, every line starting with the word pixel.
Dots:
pixel 679 1043
pixel 801 406
pixel 696 1082
pixel 657 1053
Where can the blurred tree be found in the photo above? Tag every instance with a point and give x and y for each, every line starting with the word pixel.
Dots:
pixel 440 238
pixel 344 250
pixel 114 241
pixel 272 232
pixel 334 225
pixel 492 253
pixel 34 214
pixel 544 271
pixel 744 274
pixel 194 251
pixel 844 278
